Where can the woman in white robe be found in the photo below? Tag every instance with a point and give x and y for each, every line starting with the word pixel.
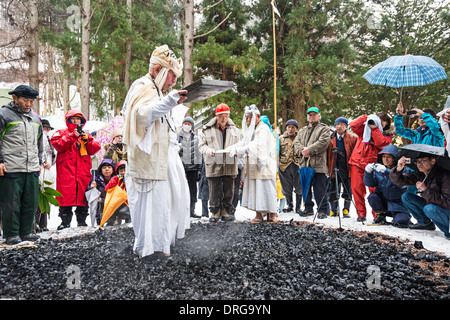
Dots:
pixel 259 149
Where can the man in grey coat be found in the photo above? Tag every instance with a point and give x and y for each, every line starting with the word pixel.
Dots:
pixel 221 169
pixel 21 150
pixel 311 145
pixel 191 158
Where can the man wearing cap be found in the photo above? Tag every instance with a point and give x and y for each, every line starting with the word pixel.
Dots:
pixel 192 159
pixel 21 151
pixel 430 206
pixel 288 167
pixel 221 169
pixel 311 146
pixel 157 190
pixel 340 149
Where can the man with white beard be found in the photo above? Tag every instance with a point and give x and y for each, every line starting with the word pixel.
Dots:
pixel 156 186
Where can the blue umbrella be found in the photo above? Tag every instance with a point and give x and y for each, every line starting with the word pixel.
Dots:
pixel 405 71
pixel 306 177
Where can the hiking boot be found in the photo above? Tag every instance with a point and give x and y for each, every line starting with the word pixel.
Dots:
pixel 63 226
pixel 361 219
pixel 322 215
pixel 345 213
pixel 215 217
pixel 305 213
pixel 226 216
pixel 429 226
pixel 30 237
pixel 13 240
pixel 333 214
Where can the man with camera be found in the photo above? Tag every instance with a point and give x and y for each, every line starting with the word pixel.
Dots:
pixel 428 131
pixel 339 151
pixel 431 205
pixel 73 167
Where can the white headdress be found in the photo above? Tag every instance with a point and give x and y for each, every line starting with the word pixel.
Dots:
pixel 248 131
pixel 165 57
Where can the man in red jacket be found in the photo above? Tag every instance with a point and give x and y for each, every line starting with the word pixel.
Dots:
pixel 73 167
pixel 371 140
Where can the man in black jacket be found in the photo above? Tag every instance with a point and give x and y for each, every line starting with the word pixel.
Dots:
pixel 431 205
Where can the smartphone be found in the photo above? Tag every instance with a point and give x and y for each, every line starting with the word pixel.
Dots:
pixel 410 112
pixel 407 160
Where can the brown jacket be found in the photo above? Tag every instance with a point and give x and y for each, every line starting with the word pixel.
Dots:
pixel 317 139
pixel 287 153
pixel 210 138
pixel 350 140
pixel 437 182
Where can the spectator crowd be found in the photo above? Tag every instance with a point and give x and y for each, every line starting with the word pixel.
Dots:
pixel 226 166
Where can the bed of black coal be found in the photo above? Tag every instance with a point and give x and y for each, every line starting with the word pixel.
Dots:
pixel 227 261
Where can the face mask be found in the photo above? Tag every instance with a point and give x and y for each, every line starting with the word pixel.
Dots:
pixel 186 128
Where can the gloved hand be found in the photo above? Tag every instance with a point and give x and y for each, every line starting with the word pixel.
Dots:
pixel 241 151
pixel 231 150
pixel 370 167
pixel 379 168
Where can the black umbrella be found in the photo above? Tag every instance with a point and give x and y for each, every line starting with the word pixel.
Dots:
pixel 416 150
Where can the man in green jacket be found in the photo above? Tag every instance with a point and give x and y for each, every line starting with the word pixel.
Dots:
pixel 21 149
pixel 311 145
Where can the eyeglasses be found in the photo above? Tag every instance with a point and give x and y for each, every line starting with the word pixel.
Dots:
pixel 420 161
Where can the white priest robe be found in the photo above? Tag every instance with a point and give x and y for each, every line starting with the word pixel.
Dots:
pixel 157 190
pixel 259 191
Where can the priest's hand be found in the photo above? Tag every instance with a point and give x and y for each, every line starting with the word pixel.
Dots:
pixel 183 96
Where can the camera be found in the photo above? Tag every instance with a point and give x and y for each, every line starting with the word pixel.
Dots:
pixel 371 122
pixel 80 129
pixel 407 160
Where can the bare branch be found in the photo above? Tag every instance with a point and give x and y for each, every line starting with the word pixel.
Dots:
pixel 202 35
pixel 209 7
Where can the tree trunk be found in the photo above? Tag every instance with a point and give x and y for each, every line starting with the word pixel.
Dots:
pixel 188 42
pixel 128 58
pixel 85 35
pixel 33 49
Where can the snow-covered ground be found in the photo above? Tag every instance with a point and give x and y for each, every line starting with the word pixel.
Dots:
pixel 431 240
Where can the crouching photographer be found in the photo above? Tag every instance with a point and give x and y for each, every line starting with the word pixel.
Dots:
pixel 431 205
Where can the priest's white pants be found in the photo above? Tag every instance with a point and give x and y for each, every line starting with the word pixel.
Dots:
pixel 159 209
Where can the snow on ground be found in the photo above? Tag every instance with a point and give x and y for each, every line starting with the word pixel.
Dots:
pixel 431 240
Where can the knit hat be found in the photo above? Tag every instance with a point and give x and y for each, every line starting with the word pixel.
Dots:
pixel 222 108
pixel 116 132
pixel 341 120
pixel 291 122
pixel 190 120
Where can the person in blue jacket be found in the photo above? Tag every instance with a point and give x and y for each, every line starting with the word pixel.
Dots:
pixel 387 198
pixel 429 131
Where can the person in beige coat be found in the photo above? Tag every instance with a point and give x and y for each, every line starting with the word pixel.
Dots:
pixel 221 169
pixel 311 145
pixel 259 193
